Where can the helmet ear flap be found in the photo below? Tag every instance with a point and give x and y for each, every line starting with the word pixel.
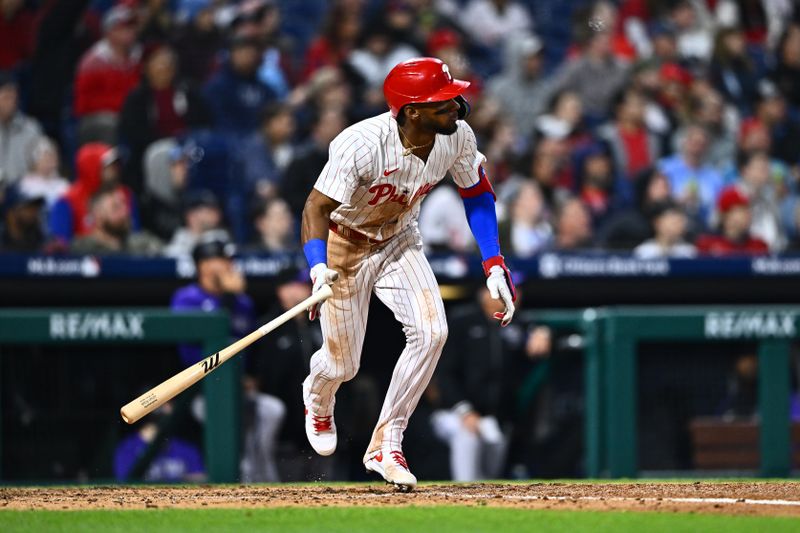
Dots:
pixel 463 107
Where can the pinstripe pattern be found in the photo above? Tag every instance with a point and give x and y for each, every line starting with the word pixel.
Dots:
pixel 380 190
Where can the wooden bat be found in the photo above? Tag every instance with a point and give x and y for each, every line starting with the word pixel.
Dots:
pixel 161 394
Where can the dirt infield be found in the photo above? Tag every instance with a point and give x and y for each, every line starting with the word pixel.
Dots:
pixel 751 498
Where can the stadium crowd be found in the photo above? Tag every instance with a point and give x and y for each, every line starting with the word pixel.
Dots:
pixel 662 127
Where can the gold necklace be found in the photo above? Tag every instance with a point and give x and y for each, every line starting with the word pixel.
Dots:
pixel 407 151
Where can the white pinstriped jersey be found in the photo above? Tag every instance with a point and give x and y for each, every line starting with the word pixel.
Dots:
pixel 379 188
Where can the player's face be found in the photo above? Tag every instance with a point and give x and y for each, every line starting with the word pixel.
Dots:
pixel 439 117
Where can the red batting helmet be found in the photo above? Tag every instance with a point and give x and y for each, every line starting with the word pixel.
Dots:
pixel 419 80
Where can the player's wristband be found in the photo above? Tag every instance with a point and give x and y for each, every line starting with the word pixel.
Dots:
pixel 316 251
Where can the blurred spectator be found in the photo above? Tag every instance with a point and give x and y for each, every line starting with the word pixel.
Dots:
pixel 596 75
pixel 18 134
pixel 629 227
pixel 310 159
pixel 665 43
pixel 741 399
pixel 475 405
pixel 450 47
pixel 16 33
pixel 673 93
pixel 708 110
pixel 262 19
pixel 97 165
pixel 275 228
pixel 734 237
pixel 521 88
pixel 376 55
pixel 160 106
pixel 764 195
pixel 732 71
pixel 549 168
pixel 220 286
pixel 787 70
pixel 201 214
pixel 694 183
pixel 337 39
pixel 790 218
pixel 61 38
pixel 155 21
pixel 772 111
pixel 112 228
pixel 646 78
pixel 106 74
pixel 166 167
pixel 694 29
pixel 527 230
pixel 43 178
pixel 175 461
pixel 573 226
pixel 762 20
pixel 633 147
pixel 197 40
pixel 669 224
pixel 235 93
pixel 442 223
pixel 597 178
pixel 265 154
pixel 564 120
pixel 490 22
pixel 22 230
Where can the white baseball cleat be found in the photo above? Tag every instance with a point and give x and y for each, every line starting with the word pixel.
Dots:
pixel 321 433
pixel 392 466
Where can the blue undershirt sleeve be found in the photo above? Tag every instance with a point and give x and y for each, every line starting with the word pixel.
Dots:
pixel 482 221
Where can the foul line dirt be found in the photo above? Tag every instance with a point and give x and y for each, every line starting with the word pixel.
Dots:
pixel 747 498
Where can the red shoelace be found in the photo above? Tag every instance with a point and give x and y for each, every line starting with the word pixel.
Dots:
pixel 400 459
pixel 321 423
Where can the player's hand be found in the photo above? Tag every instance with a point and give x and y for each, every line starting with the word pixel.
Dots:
pixel 320 275
pixel 501 287
pixel 232 281
pixel 471 421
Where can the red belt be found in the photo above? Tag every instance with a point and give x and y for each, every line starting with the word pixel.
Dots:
pixel 352 234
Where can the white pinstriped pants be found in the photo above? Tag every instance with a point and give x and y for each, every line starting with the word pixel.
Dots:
pixel 401 277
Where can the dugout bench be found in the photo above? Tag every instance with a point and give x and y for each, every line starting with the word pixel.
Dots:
pixel 610 339
pixel 222 389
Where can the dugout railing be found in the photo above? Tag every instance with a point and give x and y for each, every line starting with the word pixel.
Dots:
pixel 610 339
pixel 129 326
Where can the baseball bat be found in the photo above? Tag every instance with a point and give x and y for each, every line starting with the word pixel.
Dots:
pixel 164 392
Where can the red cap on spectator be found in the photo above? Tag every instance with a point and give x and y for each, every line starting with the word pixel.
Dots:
pixel 730 198
pixel 443 38
pixel 675 72
pixel 748 126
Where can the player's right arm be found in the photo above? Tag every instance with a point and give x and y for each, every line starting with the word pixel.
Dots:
pixel 348 159
pixel 314 234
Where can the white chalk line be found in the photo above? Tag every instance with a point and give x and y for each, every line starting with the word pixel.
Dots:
pixel 722 501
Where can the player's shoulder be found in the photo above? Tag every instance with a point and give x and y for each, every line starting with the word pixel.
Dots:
pixel 369 132
pixel 189 296
pixel 464 130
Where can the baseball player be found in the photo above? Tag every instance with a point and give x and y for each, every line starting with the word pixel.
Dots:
pixel 360 234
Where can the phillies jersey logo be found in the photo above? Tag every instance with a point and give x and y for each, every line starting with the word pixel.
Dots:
pixel 386 192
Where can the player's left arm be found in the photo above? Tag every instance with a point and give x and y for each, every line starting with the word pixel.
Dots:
pixel 479 198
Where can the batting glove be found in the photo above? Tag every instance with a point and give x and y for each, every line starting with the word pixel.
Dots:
pixel 320 275
pixel 500 287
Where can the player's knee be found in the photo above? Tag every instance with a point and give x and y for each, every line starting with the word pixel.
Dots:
pixel 439 334
pixel 349 372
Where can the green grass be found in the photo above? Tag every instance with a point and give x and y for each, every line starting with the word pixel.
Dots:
pixel 384 520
